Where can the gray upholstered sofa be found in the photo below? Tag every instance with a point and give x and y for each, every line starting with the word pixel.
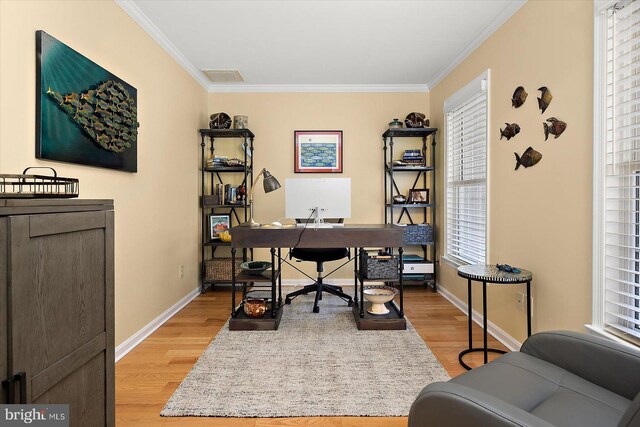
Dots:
pixel 556 379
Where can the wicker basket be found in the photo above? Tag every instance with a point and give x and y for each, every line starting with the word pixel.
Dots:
pixel 219 269
pixel 375 268
pixel 418 234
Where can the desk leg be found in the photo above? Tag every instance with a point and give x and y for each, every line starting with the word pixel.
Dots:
pixel 233 282
pixel 273 284
pixel 470 311
pixel 279 277
pixel 484 320
pixel 355 276
pixel 401 314
pixel 361 289
pixel 529 308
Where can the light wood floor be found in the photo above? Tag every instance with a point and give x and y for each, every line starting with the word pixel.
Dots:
pixel 148 375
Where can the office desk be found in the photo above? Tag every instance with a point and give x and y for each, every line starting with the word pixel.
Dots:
pixel 349 235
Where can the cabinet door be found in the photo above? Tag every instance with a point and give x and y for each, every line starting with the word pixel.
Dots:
pixel 60 278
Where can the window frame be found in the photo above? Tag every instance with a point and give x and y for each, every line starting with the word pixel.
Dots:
pixel 597 325
pixel 481 83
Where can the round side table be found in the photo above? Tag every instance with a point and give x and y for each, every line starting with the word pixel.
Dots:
pixel 490 274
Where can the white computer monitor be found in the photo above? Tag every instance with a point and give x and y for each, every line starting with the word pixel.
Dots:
pixel 330 197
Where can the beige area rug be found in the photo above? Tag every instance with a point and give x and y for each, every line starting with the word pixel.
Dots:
pixel 315 364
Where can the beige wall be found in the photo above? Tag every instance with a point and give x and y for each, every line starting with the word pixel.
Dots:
pixel 157 208
pixel 362 117
pixel 539 218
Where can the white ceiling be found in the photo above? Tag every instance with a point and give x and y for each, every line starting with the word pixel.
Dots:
pixel 303 43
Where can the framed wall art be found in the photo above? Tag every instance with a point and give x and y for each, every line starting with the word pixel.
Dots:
pixel 84 114
pixel 218 224
pixel 318 151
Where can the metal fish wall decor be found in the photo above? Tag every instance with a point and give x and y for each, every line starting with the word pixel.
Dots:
pixel 555 128
pixel 529 158
pixel 519 97
pixel 545 99
pixel 107 114
pixel 510 131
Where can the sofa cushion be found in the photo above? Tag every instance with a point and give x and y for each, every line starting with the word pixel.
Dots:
pixel 546 391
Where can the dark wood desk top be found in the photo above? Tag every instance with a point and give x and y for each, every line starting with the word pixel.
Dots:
pixel 348 236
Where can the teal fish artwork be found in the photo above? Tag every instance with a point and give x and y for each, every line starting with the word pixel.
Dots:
pixel 115 127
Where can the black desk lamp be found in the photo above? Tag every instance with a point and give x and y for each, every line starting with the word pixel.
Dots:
pixel 269 183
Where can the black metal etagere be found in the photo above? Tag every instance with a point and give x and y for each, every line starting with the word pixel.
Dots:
pixel 413 213
pixel 238 213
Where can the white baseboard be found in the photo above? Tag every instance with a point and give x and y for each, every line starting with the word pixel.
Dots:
pixel 506 339
pixel 143 333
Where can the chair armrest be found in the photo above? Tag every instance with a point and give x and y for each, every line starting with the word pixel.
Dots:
pixel 450 404
pixel 598 360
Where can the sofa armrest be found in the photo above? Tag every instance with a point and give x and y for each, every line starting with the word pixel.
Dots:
pixel 598 360
pixel 453 405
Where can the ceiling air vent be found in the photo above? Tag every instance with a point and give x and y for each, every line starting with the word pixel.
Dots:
pixel 224 76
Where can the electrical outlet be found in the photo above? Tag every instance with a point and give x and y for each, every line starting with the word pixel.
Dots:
pixel 181 271
pixel 519 300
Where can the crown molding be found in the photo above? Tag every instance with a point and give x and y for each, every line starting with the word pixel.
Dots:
pixel 512 7
pixel 141 19
pixel 284 88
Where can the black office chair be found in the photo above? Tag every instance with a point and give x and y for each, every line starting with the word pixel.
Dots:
pixel 319 256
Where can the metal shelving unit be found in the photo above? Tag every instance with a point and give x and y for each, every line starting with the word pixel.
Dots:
pixel 238 213
pixel 395 213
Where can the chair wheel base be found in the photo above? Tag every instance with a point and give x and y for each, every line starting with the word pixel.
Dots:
pixel 287 301
pixel 350 303
pixel 316 309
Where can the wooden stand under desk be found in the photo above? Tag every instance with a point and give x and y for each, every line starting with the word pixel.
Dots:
pixel 349 235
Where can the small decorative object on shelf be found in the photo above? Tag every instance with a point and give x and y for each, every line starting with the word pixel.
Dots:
pixel 555 128
pixel 255 267
pixel 529 158
pixel 419 196
pixel 220 121
pixel 225 236
pixel 378 296
pixel 255 307
pixel 240 122
pixel 416 120
pixel 545 99
pixel 395 124
pixel 399 199
pixel 508 269
pixel 37 186
pixel 218 224
pixel 519 97
pixel 509 131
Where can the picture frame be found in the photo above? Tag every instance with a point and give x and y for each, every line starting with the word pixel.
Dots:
pixel 317 151
pixel 84 114
pixel 218 224
pixel 419 196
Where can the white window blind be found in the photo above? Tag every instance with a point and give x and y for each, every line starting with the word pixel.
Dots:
pixel 466 207
pixel 622 171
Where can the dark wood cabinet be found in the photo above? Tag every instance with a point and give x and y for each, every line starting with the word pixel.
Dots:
pixel 56 310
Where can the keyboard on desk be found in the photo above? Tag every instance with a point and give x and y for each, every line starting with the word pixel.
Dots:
pixel 321 225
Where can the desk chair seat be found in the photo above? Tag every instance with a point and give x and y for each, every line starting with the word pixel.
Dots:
pixel 319 256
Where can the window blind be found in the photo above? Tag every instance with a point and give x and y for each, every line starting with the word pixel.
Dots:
pixel 622 171
pixel 466 220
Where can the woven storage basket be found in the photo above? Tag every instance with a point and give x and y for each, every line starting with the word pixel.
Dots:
pixel 379 268
pixel 219 269
pixel 418 234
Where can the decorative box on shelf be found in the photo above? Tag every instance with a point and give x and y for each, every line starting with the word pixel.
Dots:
pixel 379 267
pixel 417 234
